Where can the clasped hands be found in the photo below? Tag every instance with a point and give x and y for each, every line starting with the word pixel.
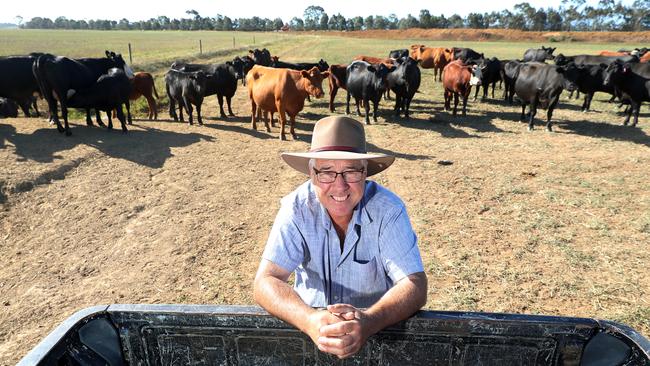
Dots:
pixel 341 329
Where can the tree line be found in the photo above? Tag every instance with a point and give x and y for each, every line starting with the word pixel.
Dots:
pixel 571 15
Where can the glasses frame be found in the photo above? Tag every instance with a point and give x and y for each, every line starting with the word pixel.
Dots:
pixel 336 175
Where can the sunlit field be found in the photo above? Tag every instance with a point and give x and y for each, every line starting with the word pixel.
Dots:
pixel 520 222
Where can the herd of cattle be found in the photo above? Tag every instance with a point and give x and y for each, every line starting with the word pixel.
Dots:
pixel 274 86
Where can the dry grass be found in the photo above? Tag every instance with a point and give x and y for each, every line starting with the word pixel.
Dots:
pixel 538 223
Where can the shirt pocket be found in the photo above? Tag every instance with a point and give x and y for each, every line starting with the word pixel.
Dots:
pixel 365 284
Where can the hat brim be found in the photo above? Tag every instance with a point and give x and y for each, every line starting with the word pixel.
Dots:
pixel 300 161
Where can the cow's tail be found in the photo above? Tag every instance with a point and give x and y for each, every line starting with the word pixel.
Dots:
pixel 153 84
pixel 39 69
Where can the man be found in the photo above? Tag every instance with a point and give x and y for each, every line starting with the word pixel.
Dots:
pixel 349 241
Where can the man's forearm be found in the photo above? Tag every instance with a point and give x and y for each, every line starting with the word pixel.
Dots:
pixel 280 300
pixel 400 302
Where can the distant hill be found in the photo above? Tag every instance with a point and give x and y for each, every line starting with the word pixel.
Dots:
pixel 8 25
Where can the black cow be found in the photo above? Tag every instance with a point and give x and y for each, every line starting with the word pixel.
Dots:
pixel 509 72
pixel 366 82
pixel 8 108
pixel 539 84
pixel 107 94
pixel 57 75
pixel 17 81
pixel 221 80
pixel 590 80
pixel 467 55
pixel 562 60
pixel 321 65
pixel 539 55
pixel 242 65
pixel 633 81
pixel 489 72
pixel 261 57
pixel 396 54
pixel 404 81
pixel 185 88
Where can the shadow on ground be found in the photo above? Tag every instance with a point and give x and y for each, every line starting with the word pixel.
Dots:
pixel 151 147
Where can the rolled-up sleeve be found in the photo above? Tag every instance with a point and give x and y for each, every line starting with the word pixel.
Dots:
pixel 398 246
pixel 285 245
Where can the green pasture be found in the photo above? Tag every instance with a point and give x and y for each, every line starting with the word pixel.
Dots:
pixel 150 48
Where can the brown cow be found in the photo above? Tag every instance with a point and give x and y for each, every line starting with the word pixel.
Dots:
pixel 375 60
pixel 283 91
pixel 142 85
pixel 612 53
pixel 645 57
pixel 457 80
pixel 435 58
pixel 337 79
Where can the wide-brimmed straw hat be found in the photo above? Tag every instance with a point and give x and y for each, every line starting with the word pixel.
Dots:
pixel 338 138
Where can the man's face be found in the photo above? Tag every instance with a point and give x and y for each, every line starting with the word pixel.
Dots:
pixel 339 197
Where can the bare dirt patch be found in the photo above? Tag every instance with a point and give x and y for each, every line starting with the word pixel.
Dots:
pixel 499 35
pixel 541 223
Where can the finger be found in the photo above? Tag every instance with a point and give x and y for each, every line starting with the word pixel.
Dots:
pixel 340 308
pixel 340 343
pixel 337 329
pixel 351 315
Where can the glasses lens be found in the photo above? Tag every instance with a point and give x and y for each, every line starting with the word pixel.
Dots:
pixel 352 177
pixel 326 177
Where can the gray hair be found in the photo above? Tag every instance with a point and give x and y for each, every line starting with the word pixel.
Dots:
pixel 312 164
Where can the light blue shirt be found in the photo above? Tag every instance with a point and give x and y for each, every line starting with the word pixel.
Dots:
pixel 380 247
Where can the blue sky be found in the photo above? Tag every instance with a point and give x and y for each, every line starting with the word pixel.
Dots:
pixel 141 10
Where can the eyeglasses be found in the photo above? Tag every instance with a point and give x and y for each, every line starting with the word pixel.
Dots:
pixel 349 176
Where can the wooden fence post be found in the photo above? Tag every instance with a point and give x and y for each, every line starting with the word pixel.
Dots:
pixel 200 47
pixel 233 42
pixel 130 56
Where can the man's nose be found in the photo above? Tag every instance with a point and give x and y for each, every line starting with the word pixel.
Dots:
pixel 339 181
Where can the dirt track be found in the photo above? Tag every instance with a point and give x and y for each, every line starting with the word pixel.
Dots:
pixel 550 223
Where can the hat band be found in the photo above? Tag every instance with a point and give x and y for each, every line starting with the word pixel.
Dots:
pixel 338 148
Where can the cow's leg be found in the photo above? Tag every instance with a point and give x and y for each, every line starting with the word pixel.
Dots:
pixel 356 100
pixel 89 120
pixel 447 100
pixel 228 99
pixel 120 116
pixel 110 123
pixel 397 105
pixel 523 112
pixel 198 112
pixel 476 92
pixel 465 97
pixel 629 110
pixel 189 109
pixel 127 104
pixel 494 85
pixel 366 109
pixel 98 117
pixel 24 106
pixel 347 104
pixel 293 124
pixel 282 116
pixel 375 105
pixel 485 90
pixel 333 90
pixel 406 101
pixel 64 113
pixel 637 108
pixel 253 115
pixel 533 112
pixel 181 108
pixel 220 100
pixel 455 103
pixel 549 113
pixel 152 107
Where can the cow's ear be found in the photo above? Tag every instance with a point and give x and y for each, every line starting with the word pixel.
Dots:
pixel 325 74
pixel 250 51
pixel 108 54
pixel 372 68
pixel 229 63
pixel 304 73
